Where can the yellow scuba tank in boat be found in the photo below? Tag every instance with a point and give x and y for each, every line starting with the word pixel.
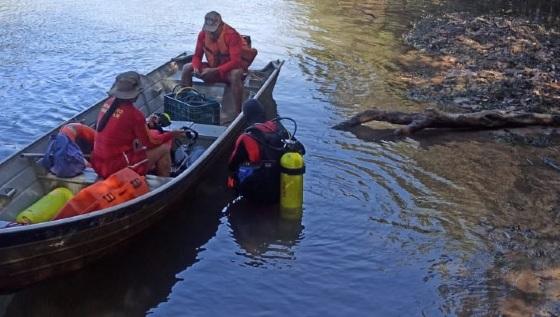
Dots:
pixel 291 184
pixel 45 208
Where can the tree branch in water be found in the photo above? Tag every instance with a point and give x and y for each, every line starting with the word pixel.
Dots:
pixel 432 118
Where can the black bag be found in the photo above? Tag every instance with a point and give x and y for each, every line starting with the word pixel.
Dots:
pixel 260 182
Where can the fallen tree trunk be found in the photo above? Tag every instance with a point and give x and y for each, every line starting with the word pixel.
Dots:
pixel 432 118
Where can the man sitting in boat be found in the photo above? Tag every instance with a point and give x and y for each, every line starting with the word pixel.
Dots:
pixel 228 56
pixel 122 136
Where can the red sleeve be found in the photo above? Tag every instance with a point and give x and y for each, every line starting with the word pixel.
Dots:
pixel 246 150
pixel 141 131
pixel 233 42
pixel 159 137
pixel 198 51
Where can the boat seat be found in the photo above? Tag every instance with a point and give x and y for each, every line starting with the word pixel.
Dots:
pixel 204 130
pixel 89 176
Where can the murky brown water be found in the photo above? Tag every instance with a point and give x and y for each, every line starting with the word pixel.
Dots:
pixel 440 223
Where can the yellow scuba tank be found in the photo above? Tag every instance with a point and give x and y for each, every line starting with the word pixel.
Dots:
pixel 45 208
pixel 291 184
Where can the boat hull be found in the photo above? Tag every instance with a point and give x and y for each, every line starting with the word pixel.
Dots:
pixel 33 253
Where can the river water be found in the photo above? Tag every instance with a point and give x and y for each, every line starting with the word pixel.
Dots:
pixel 438 224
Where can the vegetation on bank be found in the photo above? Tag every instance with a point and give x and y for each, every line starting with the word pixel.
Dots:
pixel 485 62
pixel 487 71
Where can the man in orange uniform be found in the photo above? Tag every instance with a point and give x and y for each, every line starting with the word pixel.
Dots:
pixel 122 136
pixel 228 56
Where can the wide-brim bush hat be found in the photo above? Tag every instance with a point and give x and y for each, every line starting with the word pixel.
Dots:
pixel 126 86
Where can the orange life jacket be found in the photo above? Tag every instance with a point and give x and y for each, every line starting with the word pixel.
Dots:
pixel 121 186
pixel 217 52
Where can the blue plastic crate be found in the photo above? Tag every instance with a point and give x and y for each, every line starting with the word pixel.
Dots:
pixel 191 105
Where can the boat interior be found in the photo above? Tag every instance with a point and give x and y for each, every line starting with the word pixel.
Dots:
pixel 23 181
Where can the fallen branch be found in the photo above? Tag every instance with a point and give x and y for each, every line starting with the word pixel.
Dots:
pixel 432 118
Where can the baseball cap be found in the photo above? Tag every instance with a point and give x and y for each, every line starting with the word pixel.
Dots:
pixel 212 21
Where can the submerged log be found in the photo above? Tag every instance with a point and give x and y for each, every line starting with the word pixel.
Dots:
pixel 432 118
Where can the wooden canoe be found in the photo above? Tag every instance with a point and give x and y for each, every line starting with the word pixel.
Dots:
pixel 31 253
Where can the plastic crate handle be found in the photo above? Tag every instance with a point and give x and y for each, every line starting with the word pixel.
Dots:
pixel 186 89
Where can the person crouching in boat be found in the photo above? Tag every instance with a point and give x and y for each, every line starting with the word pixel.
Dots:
pixel 227 52
pixel 122 134
pixel 82 135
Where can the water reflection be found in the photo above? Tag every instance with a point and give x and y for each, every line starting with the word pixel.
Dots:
pixel 487 207
pixel 266 236
pixel 351 52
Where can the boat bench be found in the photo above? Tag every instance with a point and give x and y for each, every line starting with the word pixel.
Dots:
pixel 204 130
pixel 89 176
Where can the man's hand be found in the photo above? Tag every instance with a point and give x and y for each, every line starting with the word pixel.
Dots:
pixel 178 133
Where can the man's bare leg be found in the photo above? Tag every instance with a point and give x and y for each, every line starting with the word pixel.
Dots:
pixel 160 158
pixel 186 75
pixel 236 87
